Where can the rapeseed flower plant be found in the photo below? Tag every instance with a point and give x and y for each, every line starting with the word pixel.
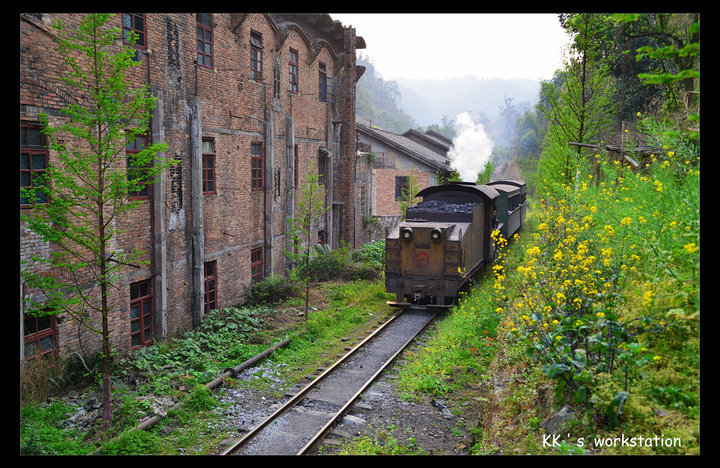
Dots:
pixel 595 245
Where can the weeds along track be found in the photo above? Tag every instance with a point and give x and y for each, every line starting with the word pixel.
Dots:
pixel 309 414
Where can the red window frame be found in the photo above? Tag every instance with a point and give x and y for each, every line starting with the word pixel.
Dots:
pixel 208 166
pixel 257 270
pixel 34 159
pixel 204 39
pixel 256 166
pixel 141 314
pixel 256 72
pixel 39 331
pixel 294 71
pixel 210 274
pixel 134 22
pixel 134 147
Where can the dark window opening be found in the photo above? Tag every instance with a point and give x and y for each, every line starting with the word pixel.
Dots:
pixel 256 162
pixel 204 39
pixel 40 336
pixel 294 74
pixel 141 316
pixel 33 164
pixel 256 68
pixel 210 286
pixel 257 271
pixel 208 166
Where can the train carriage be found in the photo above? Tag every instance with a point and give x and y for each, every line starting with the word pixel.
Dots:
pixel 510 205
pixel 444 241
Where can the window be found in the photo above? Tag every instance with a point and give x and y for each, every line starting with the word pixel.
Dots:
pixel 256 56
pixel 134 23
pixel 321 168
pixel 141 320
pixel 133 171
pixel 256 161
pixel 208 164
pixel 204 39
pixel 293 71
pixel 40 335
pixel 210 286
pixel 256 265
pixel 322 82
pixel 401 187
pixel 33 163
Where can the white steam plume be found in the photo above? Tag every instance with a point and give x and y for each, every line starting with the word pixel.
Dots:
pixel 471 149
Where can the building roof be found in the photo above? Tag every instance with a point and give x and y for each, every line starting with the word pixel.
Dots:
pixel 430 137
pixel 407 146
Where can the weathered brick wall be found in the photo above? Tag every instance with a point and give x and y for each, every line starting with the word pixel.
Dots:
pixel 234 109
pixel 385 202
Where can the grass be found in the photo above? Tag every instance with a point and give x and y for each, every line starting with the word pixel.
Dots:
pixel 595 306
pixel 180 367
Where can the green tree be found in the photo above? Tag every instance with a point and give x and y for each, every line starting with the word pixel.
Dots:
pixel 408 194
pixel 310 210
pixel 578 104
pixel 76 207
pixel 485 175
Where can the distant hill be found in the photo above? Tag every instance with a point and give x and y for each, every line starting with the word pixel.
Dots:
pixel 378 102
pixel 428 101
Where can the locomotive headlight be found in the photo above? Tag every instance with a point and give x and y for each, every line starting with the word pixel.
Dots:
pixel 406 233
pixel 436 234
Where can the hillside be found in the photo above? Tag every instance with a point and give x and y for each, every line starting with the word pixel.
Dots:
pixel 427 101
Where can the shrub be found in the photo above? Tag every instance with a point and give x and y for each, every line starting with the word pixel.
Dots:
pixel 611 281
pixel 274 288
pixel 344 263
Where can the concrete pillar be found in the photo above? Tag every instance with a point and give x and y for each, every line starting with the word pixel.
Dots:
pixel 269 189
pixel 159 234
pixel 289 181
pixel 197 227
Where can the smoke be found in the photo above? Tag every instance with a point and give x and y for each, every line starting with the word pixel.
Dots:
pixel 471 149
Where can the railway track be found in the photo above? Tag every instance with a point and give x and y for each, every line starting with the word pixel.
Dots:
pixel 303 420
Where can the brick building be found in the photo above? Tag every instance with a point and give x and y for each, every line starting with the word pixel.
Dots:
pixel 394 159
pixel 247 103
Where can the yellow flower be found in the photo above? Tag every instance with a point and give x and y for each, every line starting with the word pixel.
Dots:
pixel 626 221
pixel 656 358
pixel 600 315
pixel 691 247
pixel 647 298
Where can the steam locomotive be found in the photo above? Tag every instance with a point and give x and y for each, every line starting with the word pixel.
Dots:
pixel 446 239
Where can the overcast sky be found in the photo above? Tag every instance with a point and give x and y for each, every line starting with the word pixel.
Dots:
pixel 440 45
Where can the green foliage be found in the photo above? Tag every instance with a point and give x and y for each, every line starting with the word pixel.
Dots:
pixel 310 209
pixel 347 264
pixel 90 181
pixel 372 253
pixel 382 442
pixel 42 433
pixel 408 195
pixel 135 443
pixel 612 293
pixel 272 289
pixel 222 340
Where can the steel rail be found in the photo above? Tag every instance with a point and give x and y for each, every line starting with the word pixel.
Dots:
pixel 352 399
pixel 299 395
